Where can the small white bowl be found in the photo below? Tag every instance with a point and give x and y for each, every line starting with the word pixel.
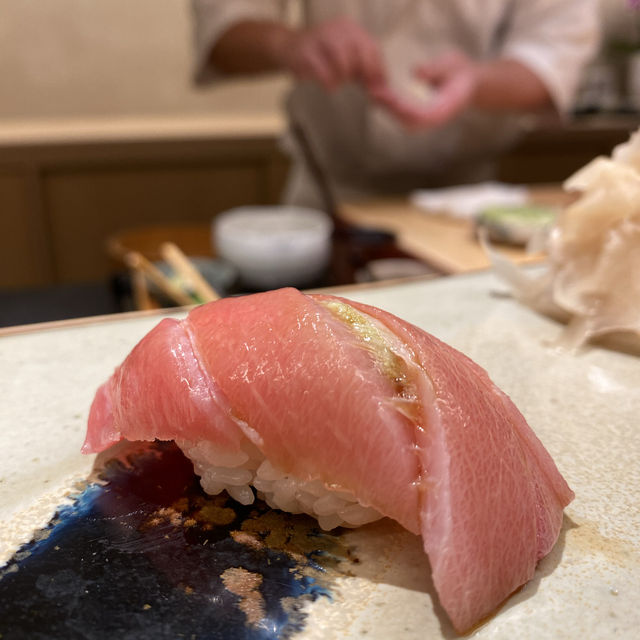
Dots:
pixel 274 247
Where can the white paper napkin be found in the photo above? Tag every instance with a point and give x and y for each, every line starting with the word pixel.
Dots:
pixel 466 201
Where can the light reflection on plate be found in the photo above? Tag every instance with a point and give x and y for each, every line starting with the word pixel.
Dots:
pixel 584 408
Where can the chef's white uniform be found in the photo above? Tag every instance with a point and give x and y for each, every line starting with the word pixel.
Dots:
pixel 364 148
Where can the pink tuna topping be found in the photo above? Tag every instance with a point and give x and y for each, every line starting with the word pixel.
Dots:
pixel 332 390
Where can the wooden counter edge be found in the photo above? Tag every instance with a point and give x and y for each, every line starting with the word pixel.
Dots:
pixel 168 311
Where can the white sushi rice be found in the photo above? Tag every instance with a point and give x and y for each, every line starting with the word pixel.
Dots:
pixel 239 474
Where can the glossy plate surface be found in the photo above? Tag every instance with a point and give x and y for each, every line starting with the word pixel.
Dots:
pixel 585 408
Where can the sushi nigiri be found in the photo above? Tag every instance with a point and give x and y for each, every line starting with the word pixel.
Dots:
pixel 343 411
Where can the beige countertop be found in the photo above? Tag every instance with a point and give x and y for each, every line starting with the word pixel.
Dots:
pixel 29 131
pixel 583 407
pixel 446 243
pixel 138 128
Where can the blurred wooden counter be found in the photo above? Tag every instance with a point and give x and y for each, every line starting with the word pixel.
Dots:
pixel 448 244
pixel 66 185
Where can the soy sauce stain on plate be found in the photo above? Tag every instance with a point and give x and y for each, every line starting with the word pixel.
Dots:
pixel 144 552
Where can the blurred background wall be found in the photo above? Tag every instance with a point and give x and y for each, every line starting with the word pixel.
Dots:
pixel 102 130
pixel 78 58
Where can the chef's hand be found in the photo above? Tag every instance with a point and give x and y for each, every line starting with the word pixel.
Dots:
pixel 454 78
pixel 333 53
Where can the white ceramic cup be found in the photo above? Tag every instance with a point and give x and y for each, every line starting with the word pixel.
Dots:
pixel 273 247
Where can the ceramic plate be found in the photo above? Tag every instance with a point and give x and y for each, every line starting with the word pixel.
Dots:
pixel 262 574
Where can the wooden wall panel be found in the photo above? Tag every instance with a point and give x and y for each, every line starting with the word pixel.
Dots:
pixel 24 253
pixel 86 207
pixel 61 198
pixel 551 156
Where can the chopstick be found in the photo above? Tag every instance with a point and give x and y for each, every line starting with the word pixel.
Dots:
pixel 135 260
pixel 316 170
pixel 141 296
pixel 190 276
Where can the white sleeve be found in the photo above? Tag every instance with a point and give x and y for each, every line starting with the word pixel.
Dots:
pixel 555 39
pixel 211 18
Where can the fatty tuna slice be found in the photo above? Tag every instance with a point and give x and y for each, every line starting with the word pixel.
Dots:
pixel 494 498
pixel 161 391
pixel 332 390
